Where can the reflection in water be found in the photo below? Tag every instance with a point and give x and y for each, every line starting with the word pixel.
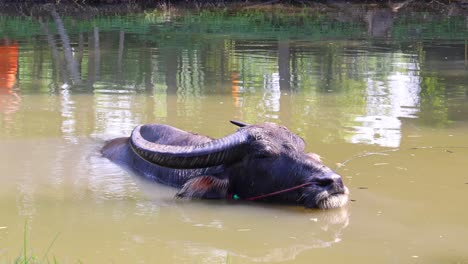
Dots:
pixel 284 61
pixel 268 240
pixel 236 89
pixel 9 99
pixel 67 111
pixel 388 101
pixel 191 77
pixel 8 64
pixel 379 22
pixel 271 95
pixel 316 75
pixel 26 190
pixel 114 113
pixel 374 78
pixel 257 73
pixel 70 61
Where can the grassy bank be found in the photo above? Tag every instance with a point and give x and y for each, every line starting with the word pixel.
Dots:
pixel 89 8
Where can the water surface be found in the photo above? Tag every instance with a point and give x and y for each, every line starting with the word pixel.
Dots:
pixel 386 99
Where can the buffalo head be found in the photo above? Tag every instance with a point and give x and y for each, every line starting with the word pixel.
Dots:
pixel 264 162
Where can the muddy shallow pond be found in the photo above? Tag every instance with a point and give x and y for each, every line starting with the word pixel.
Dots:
pixel 385 103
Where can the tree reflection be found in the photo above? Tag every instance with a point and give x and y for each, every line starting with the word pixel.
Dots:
pixel 120 56
pixel 284 70
pixel 288 70
pixel 358 81
pixel 380 22
pixel 9 99
pixel 434 109
pixel 8 64
pixel 60 71
pixel 71 63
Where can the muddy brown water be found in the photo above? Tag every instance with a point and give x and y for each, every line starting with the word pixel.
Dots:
pixel 389 113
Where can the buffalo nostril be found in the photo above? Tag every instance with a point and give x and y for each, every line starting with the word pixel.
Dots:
pixel 339 183
pixel 324 182
pixel 329 181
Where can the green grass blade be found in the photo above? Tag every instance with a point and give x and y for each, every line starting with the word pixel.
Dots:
pixel 25 253
pixel 50 246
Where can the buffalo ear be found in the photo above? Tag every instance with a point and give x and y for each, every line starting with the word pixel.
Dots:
pixel 207 187
pixel 238 123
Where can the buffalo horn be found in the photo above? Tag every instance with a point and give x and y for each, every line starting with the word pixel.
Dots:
pixel 238 123
pixel 208 154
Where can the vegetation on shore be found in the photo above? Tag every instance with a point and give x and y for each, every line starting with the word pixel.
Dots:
pixel 100 7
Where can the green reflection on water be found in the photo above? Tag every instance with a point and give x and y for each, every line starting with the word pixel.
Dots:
pixel 334 79
pixel 274 65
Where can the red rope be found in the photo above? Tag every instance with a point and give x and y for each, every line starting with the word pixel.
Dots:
pixel 277 192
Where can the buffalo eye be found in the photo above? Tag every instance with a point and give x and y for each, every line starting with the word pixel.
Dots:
pixel 289 146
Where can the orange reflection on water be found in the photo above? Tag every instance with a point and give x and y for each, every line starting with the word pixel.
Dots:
pixel 9 100
pixel 8 65
pixel 235 88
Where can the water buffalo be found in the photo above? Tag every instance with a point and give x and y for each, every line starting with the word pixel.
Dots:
pixel 263 162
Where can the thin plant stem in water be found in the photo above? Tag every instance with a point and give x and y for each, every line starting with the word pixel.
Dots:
pixel 33 259
pixel 50 246
pixel 25 255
